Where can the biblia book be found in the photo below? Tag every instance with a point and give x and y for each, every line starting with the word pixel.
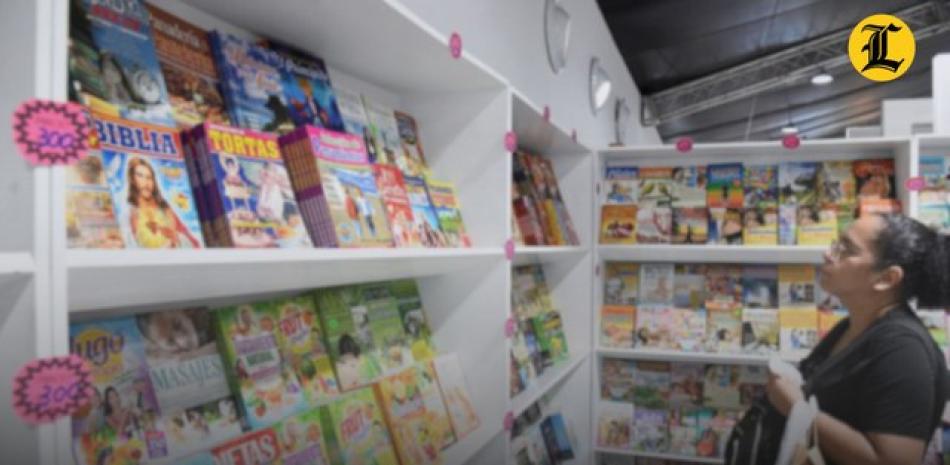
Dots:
pixel 335 188
pixel 307 89
pixel 401 401
pixel 395 197
pixel 249 198
pixel 618 224
pixel 621 283
pixel 188 67
pixel 621 186
pixel 90 217
pixel 303 439
pixel 113 65
pixel 147 176
pixel 360 429
pixel 300 339
pixel 455 394
pixel 617 326
pixel 616 379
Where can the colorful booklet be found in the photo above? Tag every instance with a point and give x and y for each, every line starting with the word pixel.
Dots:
pixel 615 425
pixel 414 320
pixel 151 192
pixel 654 327
pixel 249 198
pixel 307 89
pixel 617 323
pixel 798 183
pixel 445 201
pixel 390 342
pixel 413 158
pixel 550 333
pixel 355 121
pixel 618 224
pixel 621 185
pixel 349 337
pixel 725 226
pixel 724 330
pixel 721 387
pixel 90 217
pixel 760 286
pixel 760 330
pixel 401 401
pixel 616 379
pixel 836 184
pixel 114 68
pixel 689 286
pixel 650 433
pixel 424 215
pixel 817 225
pixel 723 286
pixel 760 187
pixel 395 197
pixel 303 439
pixel 760 226
pixel 796 286
pixel 260 447
pixel 934 169
pixel 651 385
pixel 554 203
pixel 875 178
pixel 724 187
pixel 300 338
pixel 621 283
pixel 360 429
pixel 655 187
pixel 556 438
pixel 251 83
pixel 690 225
pixel 656 283
pixel 688 329
pixel 686 384
pixel 786 224
pixel 689 187
pixel 188 68
pixel 654 224
pixel 438 420
pixel 335 187
pixel 452 382
pixel 384 133
pixel 799 330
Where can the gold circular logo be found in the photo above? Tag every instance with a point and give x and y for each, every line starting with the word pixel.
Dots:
pixel 881 47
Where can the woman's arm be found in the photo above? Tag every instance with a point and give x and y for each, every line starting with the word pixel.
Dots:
pixel 844 445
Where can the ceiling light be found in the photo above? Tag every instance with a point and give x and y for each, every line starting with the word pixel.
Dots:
pixel 789 130
pixel 822 79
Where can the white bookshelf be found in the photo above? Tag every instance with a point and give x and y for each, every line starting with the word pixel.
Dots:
pixel 693 357
pixel 552 377
pixel 712 253
pixel 525 255
pixel 660 456
pixel 925 144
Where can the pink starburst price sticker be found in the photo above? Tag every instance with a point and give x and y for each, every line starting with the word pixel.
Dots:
pixel 50 388
pixel 511 141
pixel 50 133
pixel 684 144
pixel 791 141
pixel 510 249
pixel 455 45
pixel 915 184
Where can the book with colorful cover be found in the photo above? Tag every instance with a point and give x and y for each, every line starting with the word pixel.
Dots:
pixel 90 217
pixel 650 433
pixel 936 323
pixel 616 379
pixel 690 225
pixel 122 415
pixel 359 427
pixel 651 385
pixel 525 222
pixel 655 187
pixel 413 157
pixel 798 183
pixel 654 224
pixel 530 294
pixel 530 205
pixel 414 320
pixel 724 186
pixel 303 439
pixel 437 415
pixel 621 283
pixel 384 133
pixel 688 329
pixel 684 431
pixel 656 283
pixel 799 330
pixel 760 286
pixel 796 286
pixel 760 226
pixel 817 225
pixel 525 355
pixel 551 338
pixel 445 201
pixel 934 169
pixel 617 323
pixel 760 330
pixel 247 189
pixel 121 75
pixel 197 179
pixel 251 83
pixel 875 178
pixel 151 192
pixel 401 401
pixel 354 117
pixel 721 387
pixel 335 188
pixel 724 330
pixel 689 286
pixel 395 197
pixel 725 226
pixel 615 425
pixel 345 320
pixel 654 327
pixel 426 221
pixel 454 392
pixel 390 342
pixel 689 187
pixel 934 210
pixel 836 183
pixel 618 224
pixel 723 286
pixel 827 319
pixel 300 338
pixel 260 447
pixel 307 89
pixel 760 186
pixel 191 76
pixel 686 384
pixel 621 185
pixel 264 382
pixel 554 202
pixel 787 230
pixel 556 438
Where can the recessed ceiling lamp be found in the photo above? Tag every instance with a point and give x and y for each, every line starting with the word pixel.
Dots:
pixel 822 79
pixel 789 130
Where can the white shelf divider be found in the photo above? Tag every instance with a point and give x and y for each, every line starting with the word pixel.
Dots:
pixel 539 387
pixel 660 456
pixel 525 255
pixel 712 253
pixel 14 264
pixel 695 357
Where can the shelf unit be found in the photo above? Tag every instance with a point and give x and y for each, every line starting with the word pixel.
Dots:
pixel 658 456
pixel 712 253
pixel 925 144
pixel 693 357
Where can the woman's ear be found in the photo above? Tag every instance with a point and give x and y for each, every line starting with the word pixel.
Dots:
pixel 889 278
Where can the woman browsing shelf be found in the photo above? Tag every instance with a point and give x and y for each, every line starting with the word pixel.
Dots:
pixel 880 380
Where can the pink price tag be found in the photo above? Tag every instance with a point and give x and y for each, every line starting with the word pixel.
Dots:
pixel 684 144
pixel 509 421
pixel 791 141
pixel 509 327
pixel 47 389
pixel 511 141
pixel 50 133
pixel 510 249
pixel 915 184
pixel 547 113
pixel 455 45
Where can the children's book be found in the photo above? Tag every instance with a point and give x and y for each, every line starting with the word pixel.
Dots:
pixel 689 187
pixel 247 190
pixel 690 225
pixel 264 382
pixel 760 330
pixel 760 187
pixel 615 425
pixel 725 226
pixel 334 184
pixel 525 221
pixel 656 283
pixel 151 192
pixel 796 286
pixel 684 431
pixel 689 286
pixel 307 89
pixel 651 385
pixel 423 213
pixel 384 132
pixel 412 155
pixel 934 168
pixel 345 319
pixel 799 330
pixel 618 224
pixel 817 225
pixel 437 416
pixel 359 427
pixel 355 121
pixel 616 379
pixel 760 286
pixel 259 447
pixel 401 401
pixel 724 330
pixel 414 320
pixel 827 319
pixel 654 327
pixel 760 226
pixel 621 185
pixel 688 329
pixel 122 414
pixel 787 231
pixel 90 216
pixel 554 430
pixel 936 323
pixel 526 355
pixel 875 178
pixel 655 187
pixel 650 433
pixel 457 401
pixel 934 210
pixel 554 203
pixel 530 294
pixel 445 201
pixel 617 323
pixel 723 286
pixel 300 338
pixel 395 197
pixel 654 224
pixel 798 183
pixel 721 426
pixel 188 68
pixel 251 83
pixel 303 439
pixel 528 176
pixel 550 333
pixel 721 387
pixel 724 187
pixel 621 283
pixel 686 385
pixel 836 184
pixel 391 345
pixel 114 68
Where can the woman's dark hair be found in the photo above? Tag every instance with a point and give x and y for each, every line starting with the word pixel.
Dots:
pixel 922 253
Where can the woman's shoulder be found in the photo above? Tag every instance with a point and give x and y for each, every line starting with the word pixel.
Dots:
pixel 903 335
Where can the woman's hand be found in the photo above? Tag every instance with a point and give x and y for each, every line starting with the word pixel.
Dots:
pixel 783 394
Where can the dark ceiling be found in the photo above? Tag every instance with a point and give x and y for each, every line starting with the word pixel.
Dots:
pixel 670 42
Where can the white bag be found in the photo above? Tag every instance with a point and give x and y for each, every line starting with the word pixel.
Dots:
pixel 800 440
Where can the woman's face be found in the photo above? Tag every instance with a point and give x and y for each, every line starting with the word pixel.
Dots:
pixel 848 267
pixel 144 181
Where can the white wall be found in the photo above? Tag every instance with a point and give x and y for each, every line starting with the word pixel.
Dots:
pixel 941 93
pixel 508 36
pixel 899 116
